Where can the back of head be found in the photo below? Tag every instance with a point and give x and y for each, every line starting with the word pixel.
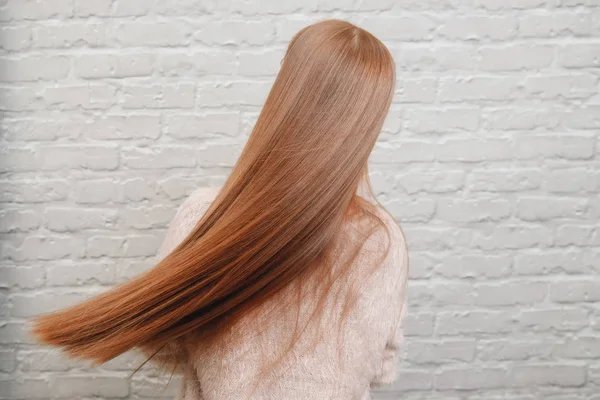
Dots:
pixel 281 208
pixel 324 112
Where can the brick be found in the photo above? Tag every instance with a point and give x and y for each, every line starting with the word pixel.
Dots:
pixel 504 180
pixel 516 349
pixel 578 348
pixel 516 57
pixel 18 220
pixel 45 360
pixel 197 63
pixel 233 93
pixel 137 189
pixel 27 69
pixel 417 90
pixel 86 96
pixel 436 352
pixel 513 237
pixel 440 58
pixel 83 385
pixel 90 157
pixel 567 147
pixel 47 247
pixel 556 24
pixel 77 219
pixel 198 126
pixel 475 210
pixel 22 276
pixel 7 361
pixel 35 10
pixel 419 293
pixel 108 8
pixel 15 38
pixel 24 389
pixel 223 155
pixel 69 274
pixel 496 5
pixel 160 157
pixel 69 35
pixel 556 375
pixel 144 217
pixel 442 120
pixel 579 55
pixel 414 211
pixel 127 126
pixel 146 33
pixel 159 96
pixel 573 86
pixel 421 265
pixel 40 129
pixel 33 304
pixel 468 322
pixel 141 245
pixel 578 235
pixel 182 7
pixel 28 191
pixel 584 118
pixel 575 180
pixel 432 182
pixel 431 238
pixel 469 379
pixel 411 379
pixel 475 266
pixel 260 63
pixel 522 119
pixel 95 66
pixel 19 99
pixel 17 159
pixel 405 151
pixel 479 28
pixel 548 263
pixel 474 150
pixel 478 89
pixel 409 28
pixel 97 191
pixel 104 246
pixel 559 319
pixel 576 291
pixel 418 324
pixel 510 294
pixel 541 209
pixel 229 32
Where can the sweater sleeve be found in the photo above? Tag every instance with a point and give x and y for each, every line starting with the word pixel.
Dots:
pixel 388 373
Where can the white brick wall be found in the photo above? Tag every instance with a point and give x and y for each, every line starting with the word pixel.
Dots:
pixel 114 110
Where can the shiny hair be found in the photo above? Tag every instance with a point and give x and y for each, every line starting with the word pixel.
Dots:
pixel 277 219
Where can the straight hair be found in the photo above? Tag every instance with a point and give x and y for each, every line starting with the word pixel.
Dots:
pixel 275 223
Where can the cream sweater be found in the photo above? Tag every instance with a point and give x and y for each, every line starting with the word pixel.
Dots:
pixel 369 345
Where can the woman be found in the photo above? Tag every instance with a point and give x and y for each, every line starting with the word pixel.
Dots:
pixel 287 282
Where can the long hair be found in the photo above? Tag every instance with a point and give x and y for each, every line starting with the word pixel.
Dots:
pixel 278 213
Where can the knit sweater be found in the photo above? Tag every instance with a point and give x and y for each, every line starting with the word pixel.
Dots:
pixel 368 348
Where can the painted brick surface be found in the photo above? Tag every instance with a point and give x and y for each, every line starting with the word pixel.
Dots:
pixel 114 110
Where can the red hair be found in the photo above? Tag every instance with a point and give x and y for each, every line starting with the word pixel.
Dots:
pixel 277 218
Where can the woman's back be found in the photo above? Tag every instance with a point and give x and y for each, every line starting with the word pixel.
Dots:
pixel 326 362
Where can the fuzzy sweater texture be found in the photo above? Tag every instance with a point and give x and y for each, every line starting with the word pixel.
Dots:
pixel 338 367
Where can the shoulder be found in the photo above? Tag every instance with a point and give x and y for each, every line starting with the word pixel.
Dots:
pixel 390 235
pixel 186 217
pixel 197 201
pixel 201 196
